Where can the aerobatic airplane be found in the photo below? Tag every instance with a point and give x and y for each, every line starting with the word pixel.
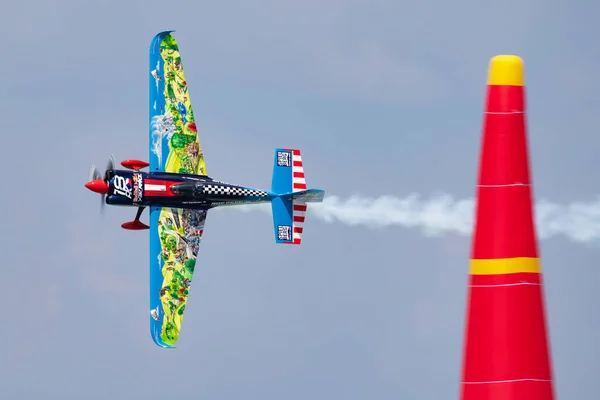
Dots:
pixel 178 191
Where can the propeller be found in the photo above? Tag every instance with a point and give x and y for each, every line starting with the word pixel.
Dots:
pixel 110 165
pixel 95 175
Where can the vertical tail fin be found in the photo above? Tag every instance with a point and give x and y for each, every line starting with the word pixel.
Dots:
pixel 289 186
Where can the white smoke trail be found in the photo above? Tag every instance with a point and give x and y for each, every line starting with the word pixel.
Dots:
pixel 438 215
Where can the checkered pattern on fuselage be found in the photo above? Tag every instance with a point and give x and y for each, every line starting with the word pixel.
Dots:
pixel 220 190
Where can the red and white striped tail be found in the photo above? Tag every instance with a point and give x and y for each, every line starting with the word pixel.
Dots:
pixel 299 215
pixel 298 184
pixel 298 180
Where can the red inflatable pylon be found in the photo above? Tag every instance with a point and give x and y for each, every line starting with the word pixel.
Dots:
pixel 506 348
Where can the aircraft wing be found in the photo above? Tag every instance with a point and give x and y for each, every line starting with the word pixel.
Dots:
pixel 175 234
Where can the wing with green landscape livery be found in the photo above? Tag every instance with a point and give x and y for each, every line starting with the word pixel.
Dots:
pixel 174 233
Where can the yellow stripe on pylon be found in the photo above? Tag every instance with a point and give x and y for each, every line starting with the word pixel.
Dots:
pixel 500 266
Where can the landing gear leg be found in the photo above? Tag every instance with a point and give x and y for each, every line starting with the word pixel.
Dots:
pixel 139 213
pixel 136 224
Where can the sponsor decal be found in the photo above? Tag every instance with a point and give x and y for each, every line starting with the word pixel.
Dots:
pixel 284 159
pixel 220 203
pixel 284 232
pixel 138 191
pixel 122 186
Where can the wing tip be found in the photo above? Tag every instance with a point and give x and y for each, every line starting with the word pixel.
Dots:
pixel 159 342
pixel 155 333
pixel 160 36
pixel 165 346
pixel 165 32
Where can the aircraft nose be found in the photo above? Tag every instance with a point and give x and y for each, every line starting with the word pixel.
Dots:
pixel 98 186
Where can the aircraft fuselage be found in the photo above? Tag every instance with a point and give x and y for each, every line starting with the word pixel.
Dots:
pixel 162 189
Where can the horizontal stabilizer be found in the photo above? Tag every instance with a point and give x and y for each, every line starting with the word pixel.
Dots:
pixel 288 219
pixel 283 219
pixel 289 187
pixel 288 171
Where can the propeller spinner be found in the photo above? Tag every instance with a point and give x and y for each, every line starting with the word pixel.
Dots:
pixel 99 183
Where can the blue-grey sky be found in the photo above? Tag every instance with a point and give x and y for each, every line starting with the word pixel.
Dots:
pixel 382 97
